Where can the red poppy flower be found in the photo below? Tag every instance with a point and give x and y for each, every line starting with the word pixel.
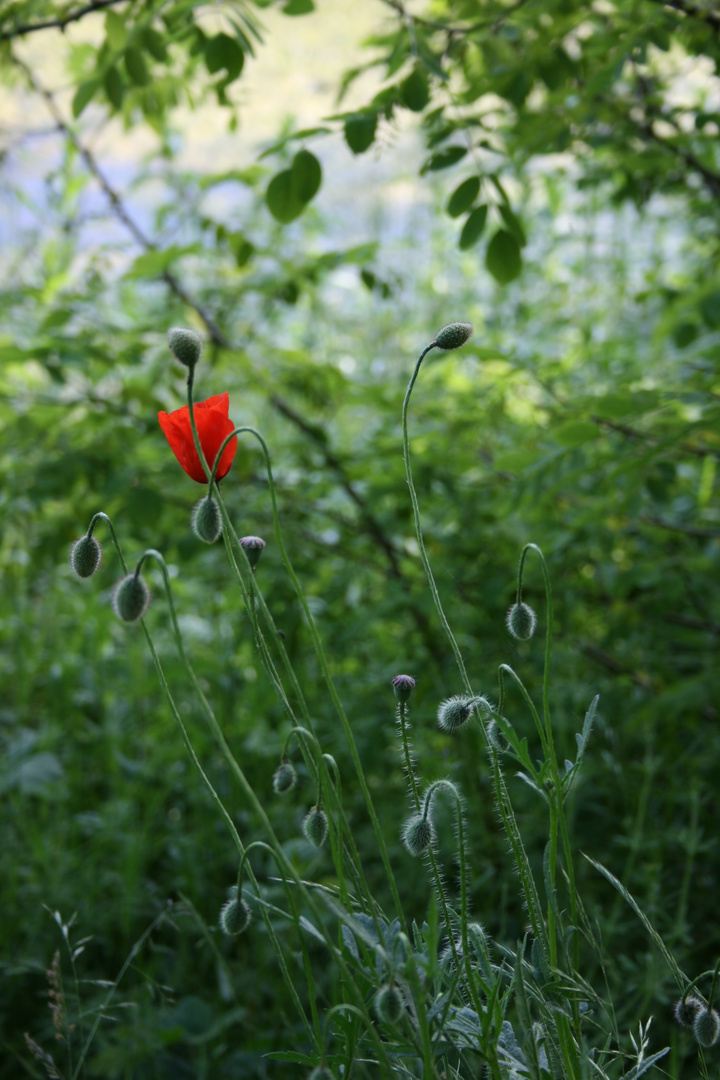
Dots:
pixel 213 425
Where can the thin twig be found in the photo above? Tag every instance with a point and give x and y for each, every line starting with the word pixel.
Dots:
pixel 60 23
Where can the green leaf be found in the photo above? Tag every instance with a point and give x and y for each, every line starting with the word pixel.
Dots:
pixel 154 44
pixel 114 87
pixel 414 91
pixel 136 68
pixel 83 95
pixel 473 227
pixel 115 31
pixel 463 196
pixel 282 202
pixel 298 7
pixel 222 53
pixel 575 433
pixel 360 131
pixel 444 159
pixel 710 309
pixel 513 224
pixel 306 175
pixel 503 258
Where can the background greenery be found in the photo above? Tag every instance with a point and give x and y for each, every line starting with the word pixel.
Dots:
pixel 583 415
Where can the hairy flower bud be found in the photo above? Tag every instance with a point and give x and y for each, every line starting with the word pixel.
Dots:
pixel 235 916
pixel 706 1027
pixel 284 778
pixel 454 335
pixel 85 556
pixel 403 685
pixel 457 710
pixel 185 345
pixel 686 1009
pixel 389 1004
pixel 315 826
pixel 418 834
pixel 521 621
pixel 207 520
pixel 253 546
pixel 496 738
pixel 131 598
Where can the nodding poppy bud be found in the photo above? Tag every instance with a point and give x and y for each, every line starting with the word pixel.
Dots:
pixel 496 737
pixel 418 834
pixel 253 546
pixel 521 621
pixel 131 598
pixel 207 520
pixel 706 1027
pixel 454 335
pixel 389 1004
pixel 456 711
pixel 686 1009
pixel 185 345
pixel 315 826
pixel 403 685
pixel 85 556
pixel 235 916
pixel 284 778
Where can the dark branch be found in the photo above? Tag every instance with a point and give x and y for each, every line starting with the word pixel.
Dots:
pixel 708 17
pixel 58 24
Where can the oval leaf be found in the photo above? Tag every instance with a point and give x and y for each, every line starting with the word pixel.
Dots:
pixel 135 65
pixel 115 31
pixel 360 131
pixel 575 433
pixel 444 159
pixel 306 175
pixel 414 91
pixel 463 196
pixel 513 225
pixel 298 7
pixel 114 87
pixel 473 227
pixel 281 199
pixel 83 95
pixel 503 258
pixel 154 44
pixel 222 53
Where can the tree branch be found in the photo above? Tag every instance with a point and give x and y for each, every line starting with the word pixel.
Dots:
pixel 58 24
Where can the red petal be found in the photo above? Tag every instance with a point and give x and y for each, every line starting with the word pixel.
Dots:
pixel 213 425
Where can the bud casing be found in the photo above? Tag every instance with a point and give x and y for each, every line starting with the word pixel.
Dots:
pixel 454 335
pixel 235 916
pixel 521 621
pixel 418 834
pixel 284 778
pixel 403 686
pixel 185 345
pixel 131 598
pixel 207 520
pixel 315 826
pixel 253 547
pixel 85 556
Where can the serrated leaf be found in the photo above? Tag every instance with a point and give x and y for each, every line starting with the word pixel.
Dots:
pixel 115 31
pixel 306 175
pixel 282 202
pixel 114 87
pixel 136 67
pixel 222 53
pixel 473 227
pixel 83 96
pixel 444 159
pixel 414 91
pixel 360 131
pixel 503 258
pixel 463 196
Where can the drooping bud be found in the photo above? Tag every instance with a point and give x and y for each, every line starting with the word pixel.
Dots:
pixel 389 1004
pixel 284 778
pixel 403 685
pixel 315 826
pixel 496 738
pixel 85 556
pixel 131 598
pixel 253 546
pixel 418 834
pixel 521 621
pixel 706 1027
pixel 457 710
pixel 454 335
pixel 207 520
pixel 185 345
pixel 235 916
pixel 686 1009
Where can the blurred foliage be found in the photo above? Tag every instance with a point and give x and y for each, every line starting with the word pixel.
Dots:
pixel 583 415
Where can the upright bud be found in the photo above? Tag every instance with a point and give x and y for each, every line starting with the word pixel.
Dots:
pixel 403 686
pixel 457 710
pixel 235 916
pixel 454 335
pixel 389 1004
pixel 284 778
pixel 85 556
pixel 207 520
pixel 131 598
pixel 521 621
pixel 253 546
pixel 185 345
pixel 706 1027
pixel 315 826
pixel 418 834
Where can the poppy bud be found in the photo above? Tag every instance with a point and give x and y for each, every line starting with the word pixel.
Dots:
pixel 185 345
pixel 403 685
pixel 418 834
pixel 235 916
pixel 253 546
pixel 284 778
pixel 315 826
pixel 85 556
pixel 131 598
pixel 389 1004
pixel 454 335
pixel 521 621
pixel 706 1027
pixel 496 738
pixel 456 711
pixel 686 1009
pixel 207 520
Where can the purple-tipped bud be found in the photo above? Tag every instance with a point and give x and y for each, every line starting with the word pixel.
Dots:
pixel 403 685
pixel 454 335
pixel 85 556
pixel 185 345
pixel 253 546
